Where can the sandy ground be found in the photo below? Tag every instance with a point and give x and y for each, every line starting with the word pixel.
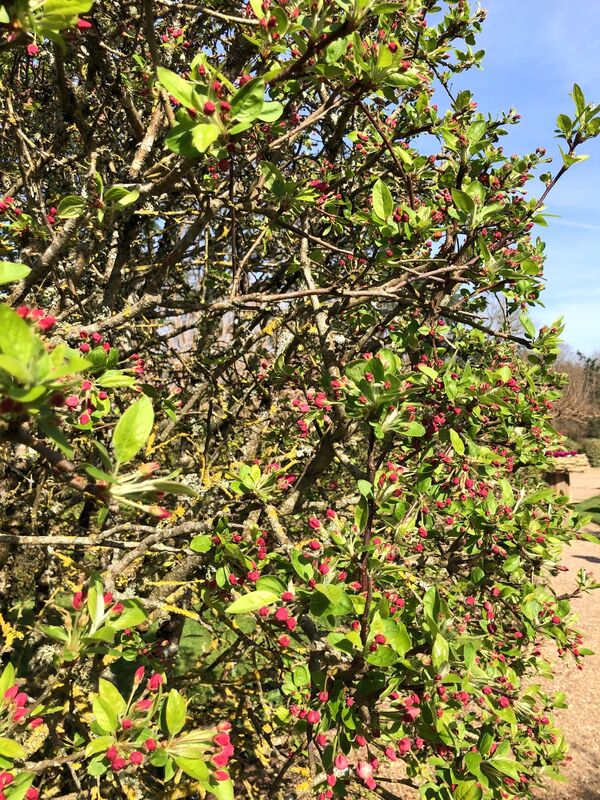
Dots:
pixel 581 720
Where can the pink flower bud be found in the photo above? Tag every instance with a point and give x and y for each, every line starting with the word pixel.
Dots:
pixel 341 762
pixel 404 746
pixel 138 676
pixel 150 744
pixel 47 322
pixel 6 778
pixel 209 107
pixel 127 724
pixel 159 511
pixel 155 681
pixel 136 757
pixel 77 600
pixel 36 722
pixel 32 793
pixel 220 759
pixel 12 692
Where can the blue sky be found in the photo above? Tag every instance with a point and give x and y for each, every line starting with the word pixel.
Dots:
pixel 535 51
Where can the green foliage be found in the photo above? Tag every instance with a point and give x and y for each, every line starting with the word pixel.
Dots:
pixel 590 508
pixel 591 447
pixel 259 281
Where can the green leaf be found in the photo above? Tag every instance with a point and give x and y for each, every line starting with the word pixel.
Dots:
pixel 105 634
pixel 131 617
pixel 193 767
pixel 346 642
pixel 11 749
pixel 96 767
pixel 457 443
pixel 105 715
pixel 301 676
pixel 222 790
pixel 330 599
pixel 504 766
pixel 476 131
pixel 201 544
pixel 67 8
pixel 395 633
pixel 527 324
pixel 467 790
pixel 383 203
pixel 16 337
pixel 95 599
pixel 113 378
pixel 440 652
pixel 171 487
pixel 203 136
pixel 16 369
pixel 10 272
pixel 176 712
pixel 70 206
pixel 109 694
pixel 180 89
pixel 365 488
pixel 578 98
pixel 54 632
pixel 462 201
pixel 251 602
pixel 361 514
pixel 512 563
pixel 99 745
pixel 383 656
pixel 7 679
pixel 429 371
pixel 247 103
pixel 415 429
pixel 133 429
pixel 121 196
pixel 270 112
